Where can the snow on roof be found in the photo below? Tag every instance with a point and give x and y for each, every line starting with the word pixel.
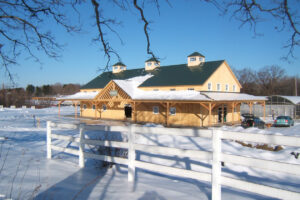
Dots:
pixel 226 96
pixel 80 95
pixel 130 86
pixel 293 99
pixel 170 95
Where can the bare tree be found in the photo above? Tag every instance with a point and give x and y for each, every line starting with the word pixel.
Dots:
pixel 268 79
pixel 247 78
pixel 24 24
pixel 22 29
pixel 285 13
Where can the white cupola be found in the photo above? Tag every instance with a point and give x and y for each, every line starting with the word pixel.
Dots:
pixel 118 67
pixel 195 59
pixel 151 64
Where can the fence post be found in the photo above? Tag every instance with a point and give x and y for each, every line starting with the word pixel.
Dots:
pixel 49 153
pixel 81 145
pixel 216 165
pixel 131 154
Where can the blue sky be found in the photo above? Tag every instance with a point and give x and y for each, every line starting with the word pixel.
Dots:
pixel 178 31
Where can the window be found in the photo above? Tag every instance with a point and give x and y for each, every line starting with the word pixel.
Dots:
pixel 149 63
pixel 116 67
pixel 233 88
pixel 94 107
pixel 104 107
pixel 155 89
pixel 190 88
pixel 218 87
pixel 209 86
pixel 156 64
pixel 172 89
pixel 192 59
pixel 84 106
pixel 201 59
pixel 155 109
pixel 226 87
pixel 172 110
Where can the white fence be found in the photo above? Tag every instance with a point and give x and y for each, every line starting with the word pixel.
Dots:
pixel 216 155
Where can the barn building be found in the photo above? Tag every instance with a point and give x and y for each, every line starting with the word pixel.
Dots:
pixel 199 93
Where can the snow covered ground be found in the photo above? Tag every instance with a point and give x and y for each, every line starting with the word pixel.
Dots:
pixel 25 173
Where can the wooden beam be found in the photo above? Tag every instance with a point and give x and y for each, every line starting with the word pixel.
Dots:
pixel 212 105
pixel 75 104
pixel 134 116
pixel 205 106
pixel 209 113
pixel 59 109
pixel 222 114
pixel 264 104
pixel 167 114
pixel 163 104
pixel 250 107
pixel 232 112
pixel 95 111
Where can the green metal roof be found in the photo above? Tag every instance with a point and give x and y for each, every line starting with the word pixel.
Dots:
pixel 162 76
pixel 119 63
pixel 196 54
pixel 104 78
pixel 152 59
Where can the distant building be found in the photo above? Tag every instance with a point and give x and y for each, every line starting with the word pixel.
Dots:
pixel 199 93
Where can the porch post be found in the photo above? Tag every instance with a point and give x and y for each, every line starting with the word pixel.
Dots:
pixel 75 104
pixel 250 107
pixel 96 110
pixel 209 114
pixel 80 110
pixel 222 114
pixel 59 108
pixel 134 112
pixel 233 106
pixel 264 104
pixel 167 114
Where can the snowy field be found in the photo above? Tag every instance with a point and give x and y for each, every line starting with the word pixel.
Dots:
pixel 25 173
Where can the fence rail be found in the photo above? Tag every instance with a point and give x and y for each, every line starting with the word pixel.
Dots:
pixel 216 155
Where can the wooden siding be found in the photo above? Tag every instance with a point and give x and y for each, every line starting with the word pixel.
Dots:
pixel 187 114
pixel 223 75
pixel 91 90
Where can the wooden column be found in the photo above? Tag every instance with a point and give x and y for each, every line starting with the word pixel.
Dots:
pixel 75 109
pixel 80 110
pixel 233 106
pixel 201 122
pixel 134 113
pixel 264 104
pixel 250 107
pixel 222 114
pixel 100 111
pixel 209 113
pixel 96 110
pixel 59 108
pixel 167 114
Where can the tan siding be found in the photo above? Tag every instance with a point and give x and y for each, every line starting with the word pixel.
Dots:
pixel 222 76
pixel 188 114
pixel 90 90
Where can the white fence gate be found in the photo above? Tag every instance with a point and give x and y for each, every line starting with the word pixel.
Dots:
pixel 216 155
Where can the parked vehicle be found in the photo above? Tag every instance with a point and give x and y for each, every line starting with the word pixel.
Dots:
pixel 252 121
pixel 284 121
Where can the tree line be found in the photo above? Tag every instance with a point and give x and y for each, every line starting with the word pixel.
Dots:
pixel 266 81
pixel 23 96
